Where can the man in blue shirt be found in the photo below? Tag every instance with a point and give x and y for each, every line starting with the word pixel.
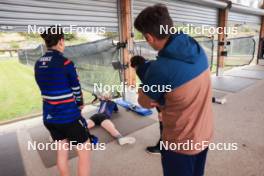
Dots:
pixel 187 115
pixel 62 101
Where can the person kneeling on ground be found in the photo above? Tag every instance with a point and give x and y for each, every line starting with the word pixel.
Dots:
pixel 103 116
pixel 140 64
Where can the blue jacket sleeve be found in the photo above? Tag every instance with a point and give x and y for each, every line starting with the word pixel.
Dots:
pixel 74 82
pixel 154 84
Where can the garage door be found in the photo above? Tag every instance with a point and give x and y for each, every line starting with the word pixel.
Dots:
pixel 17 15
pixel 244 18
pixel 180 11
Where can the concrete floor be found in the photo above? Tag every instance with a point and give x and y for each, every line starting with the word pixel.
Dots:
pixel 240 120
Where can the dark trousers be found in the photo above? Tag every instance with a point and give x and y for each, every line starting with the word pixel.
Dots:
pixel 175 164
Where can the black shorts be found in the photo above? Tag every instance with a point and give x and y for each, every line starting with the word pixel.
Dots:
pixel 74 132
pixel 98 118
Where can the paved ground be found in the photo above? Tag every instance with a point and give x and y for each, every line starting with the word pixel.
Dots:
pixel 240 120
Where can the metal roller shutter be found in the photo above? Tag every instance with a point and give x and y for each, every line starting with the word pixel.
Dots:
pixel 180 11
pixel 17 15
pixel 244 18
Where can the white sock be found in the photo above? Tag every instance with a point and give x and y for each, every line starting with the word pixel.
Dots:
pixel 126 140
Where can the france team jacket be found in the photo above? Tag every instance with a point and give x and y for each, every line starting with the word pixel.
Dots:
pixel 58 82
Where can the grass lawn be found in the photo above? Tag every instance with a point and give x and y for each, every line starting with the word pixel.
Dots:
pixel 19 94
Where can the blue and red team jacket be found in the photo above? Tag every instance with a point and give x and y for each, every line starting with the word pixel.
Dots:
pixel 60 88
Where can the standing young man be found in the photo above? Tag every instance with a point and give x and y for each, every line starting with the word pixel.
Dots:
pixel 62 102
pixel 187 110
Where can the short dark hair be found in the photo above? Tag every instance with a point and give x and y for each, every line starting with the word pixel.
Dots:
pixel 151 18
pixel 52 36
pixel 136 61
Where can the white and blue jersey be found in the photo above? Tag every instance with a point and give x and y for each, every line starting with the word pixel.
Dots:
pixel 107 107
pixel 58 81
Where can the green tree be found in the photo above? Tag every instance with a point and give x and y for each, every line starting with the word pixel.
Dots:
pixel 110 34
pixel 69 37
pixel 138 35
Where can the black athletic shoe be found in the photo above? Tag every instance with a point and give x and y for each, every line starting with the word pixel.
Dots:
pixel 153 149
